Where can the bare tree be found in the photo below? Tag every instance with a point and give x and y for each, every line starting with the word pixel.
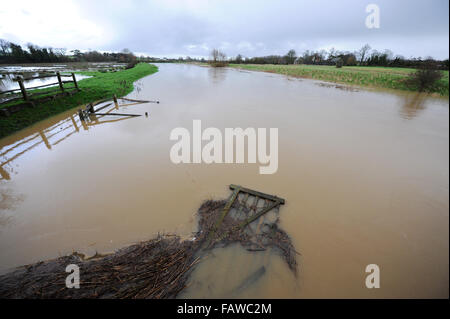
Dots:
pixel 291 56
pixel 363 52
pixel 4 46
pixel 217 55
pixel 332 54
pixel 60 51
pixel 218 58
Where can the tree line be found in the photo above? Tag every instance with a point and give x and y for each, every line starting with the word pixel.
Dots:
pixel 362 57
pixel 14 53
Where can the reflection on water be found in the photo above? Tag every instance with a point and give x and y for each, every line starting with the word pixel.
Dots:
pixel 414 103
pixel 234 272
pixel 4 220
pixel 7 200
pixel 49 137
pixel 217 75
pixel 362 184
pixel 138 85
pixel 58 130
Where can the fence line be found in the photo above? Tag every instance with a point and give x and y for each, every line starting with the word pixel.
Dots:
pixel 27 96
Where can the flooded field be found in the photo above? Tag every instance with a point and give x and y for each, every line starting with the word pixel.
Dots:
pixel 365 175
pixel 9 72
pixel 62 67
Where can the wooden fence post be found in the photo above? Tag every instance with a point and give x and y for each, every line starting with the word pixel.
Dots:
pixel 60 82
pixel 81 115
pixel 115 102
pixel 75 81
pixel 22 88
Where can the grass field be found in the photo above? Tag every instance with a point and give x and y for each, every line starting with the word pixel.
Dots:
pixel 377 77
pixel 99 86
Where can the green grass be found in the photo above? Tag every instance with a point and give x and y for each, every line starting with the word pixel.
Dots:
pixel 99 86
pixel 377 77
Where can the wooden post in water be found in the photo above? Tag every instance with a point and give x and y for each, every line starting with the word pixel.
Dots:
pixel 22 88
pixel 75 81
pixel 60 82
pixel 115 102
pixel 81 115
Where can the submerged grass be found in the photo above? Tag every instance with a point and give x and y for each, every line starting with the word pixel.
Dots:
pixel 99 86
pixel 377 77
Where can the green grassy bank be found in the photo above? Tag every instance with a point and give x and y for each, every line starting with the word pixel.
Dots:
pixel 377 77
pixel 99 86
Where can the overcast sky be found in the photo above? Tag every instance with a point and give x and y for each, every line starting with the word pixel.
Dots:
pixel 175 28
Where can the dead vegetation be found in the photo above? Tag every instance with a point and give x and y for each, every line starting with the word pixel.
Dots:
pixel 158 268
pixel 154 269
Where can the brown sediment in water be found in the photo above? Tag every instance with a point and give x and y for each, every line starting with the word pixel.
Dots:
pixel 365 173
pixel 158 268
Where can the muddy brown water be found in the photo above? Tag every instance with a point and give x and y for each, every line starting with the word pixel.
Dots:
pixel 365 175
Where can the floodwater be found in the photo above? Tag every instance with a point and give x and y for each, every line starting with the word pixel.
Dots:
pixel 365 175
pixel 7 80
pixel 29 71
pixel 62 67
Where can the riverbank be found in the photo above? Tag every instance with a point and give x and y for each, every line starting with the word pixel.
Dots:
pixel 375 77
pixel 99 86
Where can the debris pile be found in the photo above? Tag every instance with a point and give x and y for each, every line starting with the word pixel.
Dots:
pixel 159 268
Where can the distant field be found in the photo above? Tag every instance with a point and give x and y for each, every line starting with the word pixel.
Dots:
pixel 378 77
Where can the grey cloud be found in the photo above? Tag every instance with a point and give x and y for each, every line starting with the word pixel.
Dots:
pixel 259 27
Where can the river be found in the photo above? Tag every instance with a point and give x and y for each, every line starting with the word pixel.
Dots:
pixel 365 175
